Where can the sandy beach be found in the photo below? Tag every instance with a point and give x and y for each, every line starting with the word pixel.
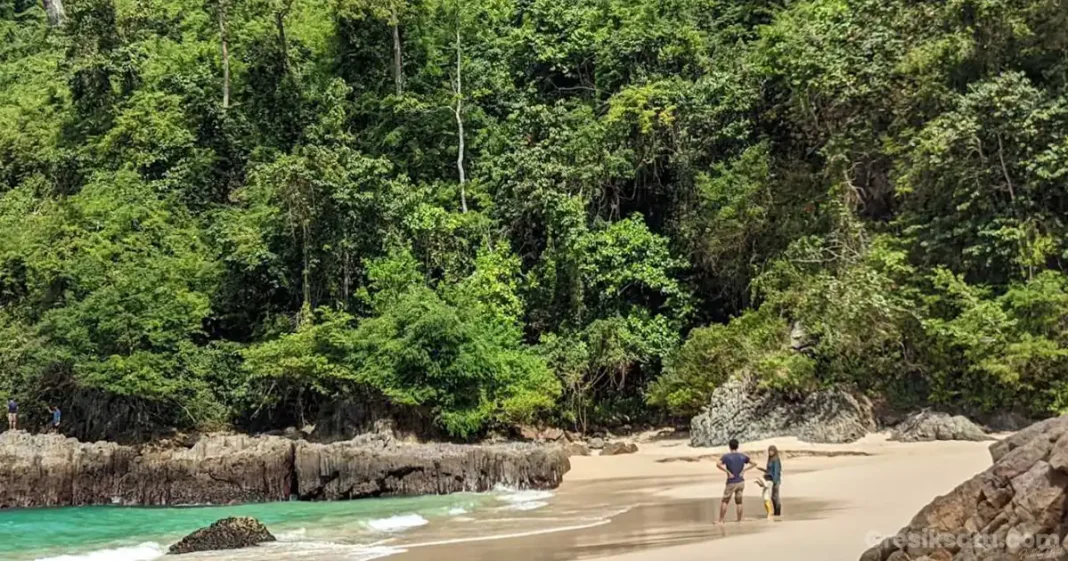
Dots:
pixel 836 498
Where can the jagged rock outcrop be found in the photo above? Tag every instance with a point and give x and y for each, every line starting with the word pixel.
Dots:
pixel 51 470
pixel 346 471
pixel 228 533
pixel 1012 511
pixel 739 409
pixel 928 425
pixel 617 448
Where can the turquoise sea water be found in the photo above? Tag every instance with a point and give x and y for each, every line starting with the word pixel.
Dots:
pixel 141 534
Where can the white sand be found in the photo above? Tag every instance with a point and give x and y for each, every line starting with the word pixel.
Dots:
pixel 874 495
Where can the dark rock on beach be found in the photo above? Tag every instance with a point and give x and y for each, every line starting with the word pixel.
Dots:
pixel 1013 510
pixel 228 533
pixel 617 448
pixel 51 470
pixel 576 449
pixel 928 425
pixel 739 409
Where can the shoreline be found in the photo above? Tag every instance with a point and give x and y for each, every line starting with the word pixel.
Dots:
pixel 660 504
pixel 836 498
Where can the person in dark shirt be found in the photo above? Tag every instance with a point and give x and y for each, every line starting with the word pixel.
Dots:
pixel 56 416
pixel 734 464
pixel 773 473
pixel 12 414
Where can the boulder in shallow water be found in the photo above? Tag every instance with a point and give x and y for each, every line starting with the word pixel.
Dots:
pixel 740 409
pixel 617 448
pixel 1015 510
pixel 228 533
pixel 926 426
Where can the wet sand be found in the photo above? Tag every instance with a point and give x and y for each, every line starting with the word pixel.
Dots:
pixel 642 527
pixel 836 499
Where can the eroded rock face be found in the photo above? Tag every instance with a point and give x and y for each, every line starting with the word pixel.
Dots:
pixel 51 470
pixel 1013 510
pixel 228 533
pixel 345 471
pixel 934 425
pixel 739 409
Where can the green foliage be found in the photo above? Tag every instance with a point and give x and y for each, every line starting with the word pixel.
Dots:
pixel 659 196
pixel 1003 351
pixel 462 362
pixel 755 344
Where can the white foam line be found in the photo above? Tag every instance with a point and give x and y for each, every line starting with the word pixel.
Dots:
pixel 513 535
pixel 600 522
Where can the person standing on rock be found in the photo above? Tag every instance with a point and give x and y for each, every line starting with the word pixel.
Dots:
pixel 12 414
pixel 56 416
pixel 734 464
pixel 773 473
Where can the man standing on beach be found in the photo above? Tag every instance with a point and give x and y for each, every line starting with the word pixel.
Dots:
pixel 734 464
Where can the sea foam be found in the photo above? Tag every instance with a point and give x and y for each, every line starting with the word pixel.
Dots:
pixel 524 500
pixel 144 552
pixel 396 523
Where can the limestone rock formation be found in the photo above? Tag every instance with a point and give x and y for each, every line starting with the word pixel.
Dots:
pixel 1013 510
pixel 51 470
pixel 617 448
pixel 228 533
pixel 934 425
pixel 219 469
pixel 739 409
pixel 346 471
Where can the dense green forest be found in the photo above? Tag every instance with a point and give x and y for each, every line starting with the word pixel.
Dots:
pixel 477 213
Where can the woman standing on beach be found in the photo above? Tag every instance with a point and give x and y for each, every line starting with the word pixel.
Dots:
pixel 773 473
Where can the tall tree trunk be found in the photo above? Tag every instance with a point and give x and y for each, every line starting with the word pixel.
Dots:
pixel 280 25
pixel 346 280
pixel 57 16
pixel 306 306
pixel 398 67
pixel 225 55
pixel 459 116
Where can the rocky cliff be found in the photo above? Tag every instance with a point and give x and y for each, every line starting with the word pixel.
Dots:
pixel 1012 511
pixel 343 471
pixel 739 409
pixel 50 470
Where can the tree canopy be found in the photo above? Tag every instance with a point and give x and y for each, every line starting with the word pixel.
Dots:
pixel 478 213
